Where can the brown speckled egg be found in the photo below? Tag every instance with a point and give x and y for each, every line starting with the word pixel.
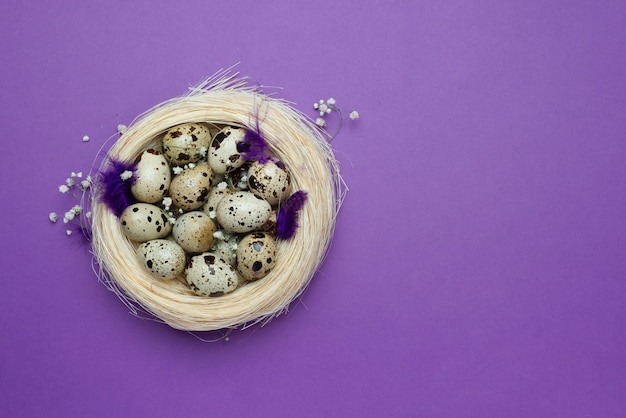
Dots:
pixel 142 222
pixel 187 143
pixel 242 212
pixel 209 275
pixel 152 177
pixel 256 255
pixel 215 195
pixel 270 181
pixel 189 189
pixel 193 231
pixel 163 258
pixel 223 154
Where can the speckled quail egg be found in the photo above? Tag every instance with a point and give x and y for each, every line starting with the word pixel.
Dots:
pixel 215 195
pixel 189 189
pixel 270 181
pixel 256 255
pixel 209 275
pixel 162 257
pixel 193 231
pixel 142 222
pixel 187 143
pixel 152 177
pixel 242 212
pixel 223 154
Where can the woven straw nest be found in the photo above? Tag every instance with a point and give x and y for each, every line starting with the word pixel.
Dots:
pixel 226 99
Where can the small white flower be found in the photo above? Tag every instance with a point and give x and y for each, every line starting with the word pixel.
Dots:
pixel 53 217
pixel 88 215
pixel 172 220
pixel 121 128
pixel 331 102
pixel 63 188
pixel 222 185
pixel 86 138
pixel 323 108
pixel 212 214
pixel 177 170
pixel 85 184
pixel 69 181
pixel 68 216
pixel 167 202
pixel 320 122
pixel 218 235
pixel 191 165
pixel 203 151
pixel 126 175
pixel 316 105
pixel 76 210
pixel 328 110
pixel 354 115
pixel 68 232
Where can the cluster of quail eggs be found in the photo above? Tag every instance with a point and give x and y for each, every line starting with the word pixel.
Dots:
pixel 203 212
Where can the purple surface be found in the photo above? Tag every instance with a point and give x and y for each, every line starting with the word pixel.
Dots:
pixel 479 262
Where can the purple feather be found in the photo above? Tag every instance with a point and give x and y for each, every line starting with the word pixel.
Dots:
pixel 287 218
pixel 114 191
pixel 253 147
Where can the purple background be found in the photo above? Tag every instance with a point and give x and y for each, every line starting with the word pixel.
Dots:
pixel 479 261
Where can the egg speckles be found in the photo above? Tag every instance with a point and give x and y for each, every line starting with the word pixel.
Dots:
pixel 256 255
pixel 270 181
pixel 152 177
pixel 193 231
pixel 208 275
pixel 162 257
pixel 142 222
pixel 187 143
pixel 223 153
pixel 189 189
pixel 242 212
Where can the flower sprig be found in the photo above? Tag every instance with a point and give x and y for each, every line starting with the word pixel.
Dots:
pixel 325 108
pixel 73 182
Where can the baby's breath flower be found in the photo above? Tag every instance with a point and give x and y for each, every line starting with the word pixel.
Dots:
pixel 203 151
pixel 191 165
pixel 177 170
pixel 126 175
pixel 76 210
pixel 212 214
pixel 167 202
pixel 218 235
pixel 85 184
pixel 88 215
pixel 69 181
pixel 53 217
pixel 222 185
pixel 121 128
pixel 172 220
pixel 354 115
pixel 68 216
pixel 68 232
pixel 63 188
pixel 320 122
pixel 323 108
pixel 86 138
pixel 331 101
